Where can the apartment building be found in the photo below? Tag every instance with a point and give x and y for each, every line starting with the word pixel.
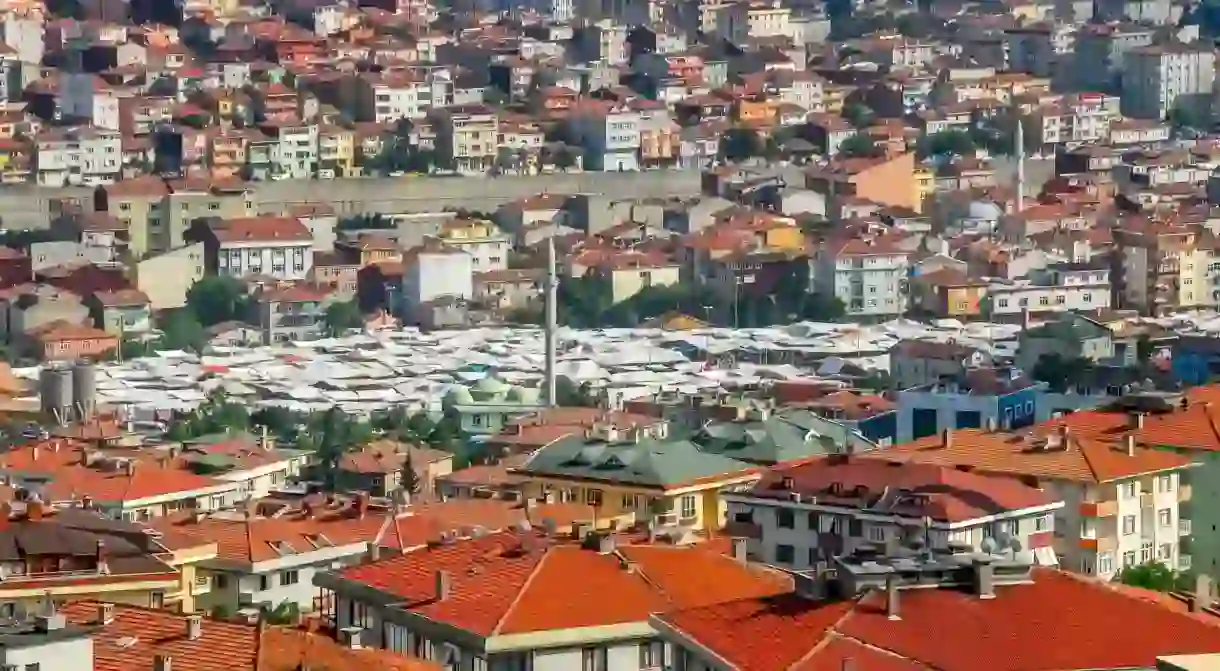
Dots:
pixel 467 138
pixel 165 278
pixel 277 247
pixel 1157 79
pixel 487 246
pixel 427 602
pixel 77 157
pixel 1122 501
pixel 803 516
pixel 294 152
pixel 401 94
pixel 1100 50
pixel 1158 267
pixel 336 152
pixel 293 314
pixel 1065 286
pixel 744 20
pixel 608 133
pixel 868 274
pixel 1084 117
pixel 436 270
pixel 157 213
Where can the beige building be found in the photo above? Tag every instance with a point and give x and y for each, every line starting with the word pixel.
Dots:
pixel 165 278
pixel 467 137
pixel 158 213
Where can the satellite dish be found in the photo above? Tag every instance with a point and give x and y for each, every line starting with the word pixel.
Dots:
pixel 989 546
pixel 1003 539
pixel 1015 546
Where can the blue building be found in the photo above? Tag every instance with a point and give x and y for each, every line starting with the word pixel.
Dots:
pixel 1196 360
pixel 999 397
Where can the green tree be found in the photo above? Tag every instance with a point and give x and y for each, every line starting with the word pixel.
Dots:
pixel 182 331
pixel 1144 349
pixel 287 613
pixel 408 478
pixel 342 316
pixel 216 298
pixel 740 143
pixel 860 145
pixel 1186 115
pixel 858 114
pixel 1154 576
pixel 1060 373
pixel 946 143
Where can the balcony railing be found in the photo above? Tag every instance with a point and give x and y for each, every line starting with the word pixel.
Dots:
pixel 1184 527
pixel 1100 544
pixel 1184 562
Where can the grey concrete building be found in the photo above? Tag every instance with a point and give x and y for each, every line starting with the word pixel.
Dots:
pixel 1157 79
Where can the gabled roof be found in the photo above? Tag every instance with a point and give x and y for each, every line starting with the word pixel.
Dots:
pixel 511 583
pixel 644 463
pixel 1081 460
pixel 1057 622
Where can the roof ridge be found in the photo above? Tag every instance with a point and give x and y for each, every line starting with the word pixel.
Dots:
pixel 825 640
pixel 1085 448
pixel 495 631
pixel 833 630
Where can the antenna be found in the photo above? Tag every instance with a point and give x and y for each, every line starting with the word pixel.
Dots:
pixel 552 319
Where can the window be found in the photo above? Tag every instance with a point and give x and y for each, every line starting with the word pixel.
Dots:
pixel 652 655
pixel 593 497
pixel 1164 517
pixel 688 507
pixel 264 583
pixel 1165 552
pixel 1146 552
pixel 1105 562
pixel 1130 489
pixel 785 554
pixel 1041 523
pixel 876 533
pixel 1128 559
pixel 631 501
pixel 220 581
pixel 593 659
pixel 785 519
pixel 1164 483
pixel 855 528
pixel 289 578
pixel 1128 525
pixel 33 667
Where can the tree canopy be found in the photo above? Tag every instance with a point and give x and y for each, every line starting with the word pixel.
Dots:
pixel 1155 576
pixel 860 145
pixel 342 316
pixel 1061 373
pixel 217 298
pixel 946 143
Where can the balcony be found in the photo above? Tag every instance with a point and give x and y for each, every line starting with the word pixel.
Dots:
pixel 1184 527
pixel 1184 493
pixel 1183 562
pixel 1103 544
pixel 1099 509
pixel 742 529
pixel 202 585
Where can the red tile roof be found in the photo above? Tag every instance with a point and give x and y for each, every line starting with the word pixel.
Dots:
pixel 941 493
pixel 1082 460
pixel 1058 622
pixel 261 229
pixel 519 582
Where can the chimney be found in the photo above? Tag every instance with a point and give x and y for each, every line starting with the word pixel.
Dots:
pixel 741 549
pixel 99 559
pixel 605 543
pixel 1137 420
pixel 1024 319
pixel 362 504
pixel 263 443
pixel 1129 443
pixel 891 597
pixel 946 438
pixel 1064 434
pixel 194 627
pixel 1202 597
pixel 350 637
pixel 163 662
pixel 33 511
pixel 105 613
pixel 86 502
pixel 992 425
pixel 374 551
pixel 444 585
pixel 34 453
pixel 984 578
pixel 129 468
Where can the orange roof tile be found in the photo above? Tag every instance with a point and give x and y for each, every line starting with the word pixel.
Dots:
pixel 1083 460
pixel 516 583
pixel 1057 622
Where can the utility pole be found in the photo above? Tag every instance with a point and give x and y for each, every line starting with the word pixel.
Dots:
pixel 552 321
pixel 1020 141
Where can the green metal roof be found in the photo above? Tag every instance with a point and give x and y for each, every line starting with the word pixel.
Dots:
pixel 647 463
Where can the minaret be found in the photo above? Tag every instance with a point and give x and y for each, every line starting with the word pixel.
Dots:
pixel 1020 164
pixel 552 320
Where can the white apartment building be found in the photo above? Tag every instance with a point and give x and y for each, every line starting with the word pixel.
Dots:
pixel 467 137
pixel 1084 117
pixel 798 517
pixel 1062 286
pixel 609 134
pixel 436 270
pixel 1158 78
pixel 278 247
pixel 1121 502
pixel 756 19
pixel 868 274
pixel 402 94
pixel 86 97
pixel 295 152
pixel 77 157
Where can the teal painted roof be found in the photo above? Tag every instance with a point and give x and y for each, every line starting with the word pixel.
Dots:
pixel 647 463
pixel 784 436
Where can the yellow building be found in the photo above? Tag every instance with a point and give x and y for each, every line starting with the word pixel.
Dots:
pixel 948 293
pixel 629 273
pixel 637 474
pixel 337 150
